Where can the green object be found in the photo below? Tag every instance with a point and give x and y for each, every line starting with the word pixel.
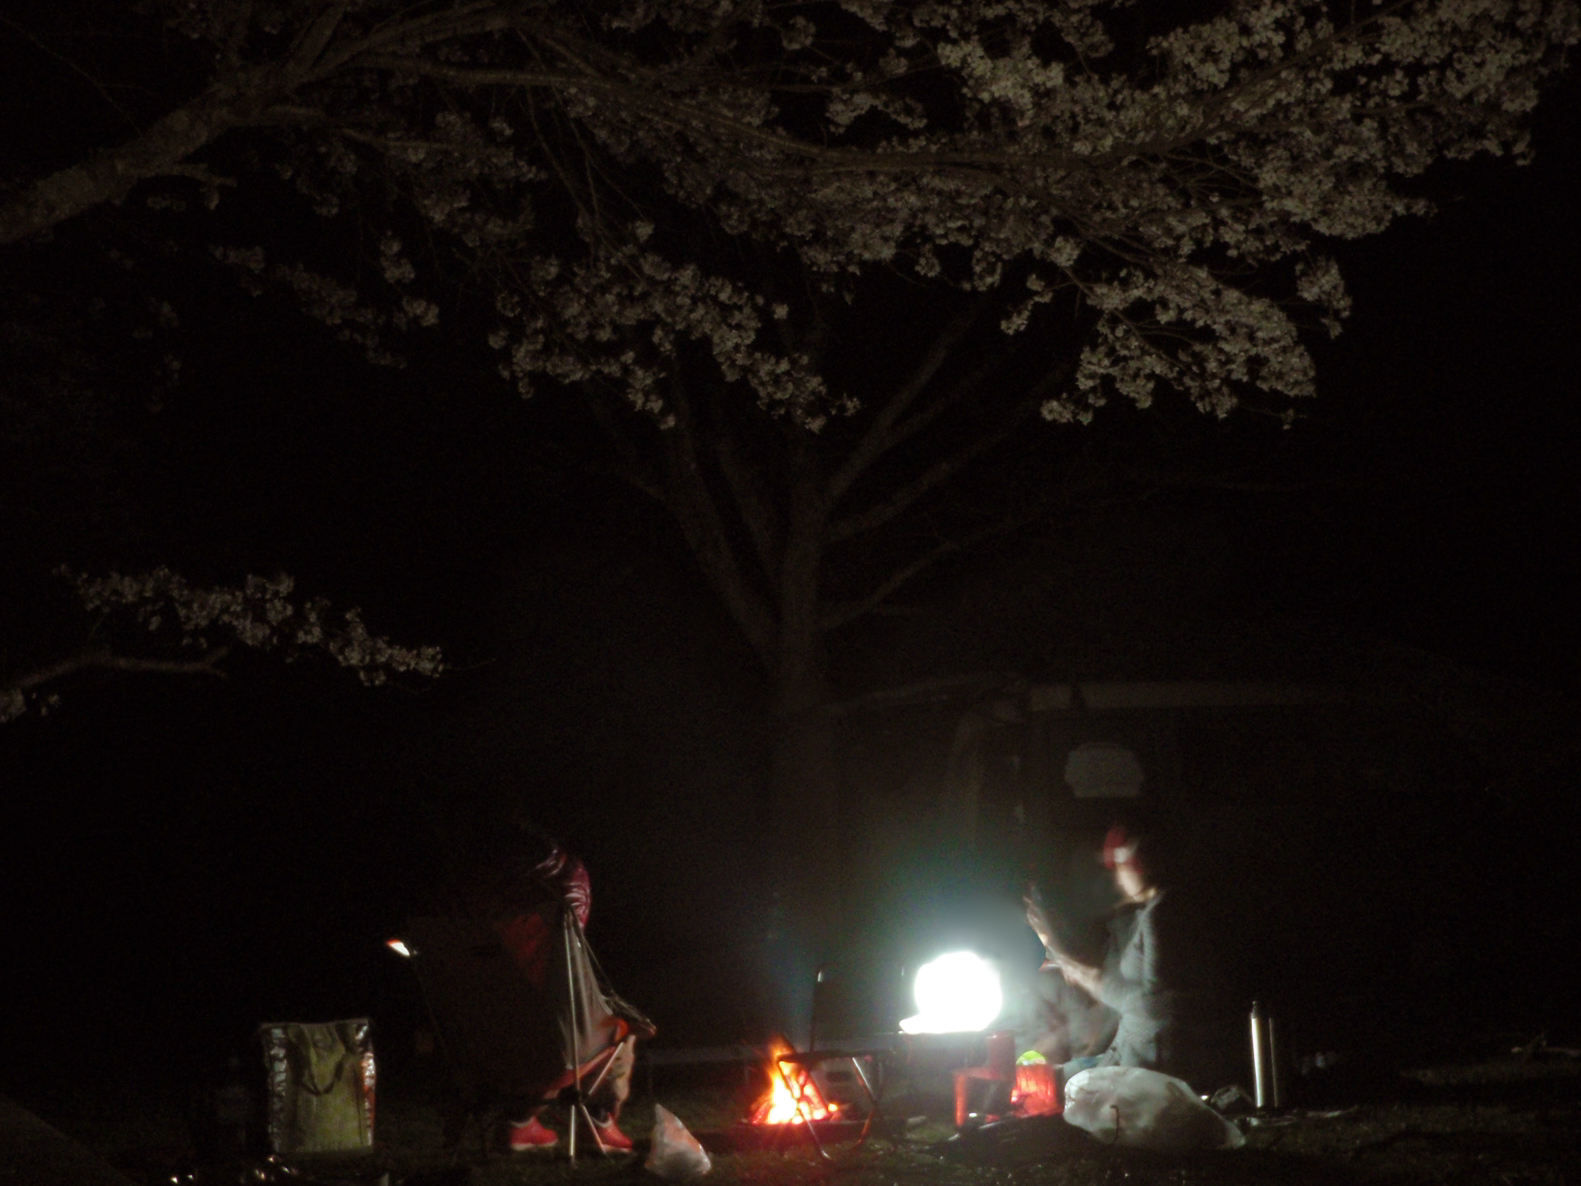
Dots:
pixel 321 1080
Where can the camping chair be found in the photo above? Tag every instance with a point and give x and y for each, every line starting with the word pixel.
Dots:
pixel 852 1041
pixel 514 1018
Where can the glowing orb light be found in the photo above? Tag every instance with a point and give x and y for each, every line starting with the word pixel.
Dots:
pixel 956 993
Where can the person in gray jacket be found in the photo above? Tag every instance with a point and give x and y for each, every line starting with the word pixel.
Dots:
pixel 1145 972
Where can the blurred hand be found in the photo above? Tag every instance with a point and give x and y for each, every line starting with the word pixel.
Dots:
pixel 1038 920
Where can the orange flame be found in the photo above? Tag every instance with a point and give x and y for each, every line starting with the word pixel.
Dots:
pixel 1035 1092
pixel 792 1094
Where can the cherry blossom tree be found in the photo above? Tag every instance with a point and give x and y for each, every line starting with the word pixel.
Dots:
pixel 1178 181
pixel 663 204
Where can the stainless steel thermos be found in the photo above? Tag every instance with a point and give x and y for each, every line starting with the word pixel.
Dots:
pixel 1266 1086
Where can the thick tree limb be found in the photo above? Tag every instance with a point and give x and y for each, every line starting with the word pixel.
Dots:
pixel 250 97
pixel 932 477
pixel 962 388
pixel 313 40
pixel 692 504
pixel 110 661
pixel 878 438
pixel 109 176
pixel 846 612
pixel 985 164
pixel 753 503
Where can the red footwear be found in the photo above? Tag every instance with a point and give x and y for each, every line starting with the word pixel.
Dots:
pixel 611 1137
pixel 532 1135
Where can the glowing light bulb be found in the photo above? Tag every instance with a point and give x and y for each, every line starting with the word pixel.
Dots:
pixel 956 993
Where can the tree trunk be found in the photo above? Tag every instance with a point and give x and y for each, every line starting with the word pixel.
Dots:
pixel 804 782
pixel 804 787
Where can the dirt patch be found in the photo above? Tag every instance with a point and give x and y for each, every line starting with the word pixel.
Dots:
pixel 1498 1123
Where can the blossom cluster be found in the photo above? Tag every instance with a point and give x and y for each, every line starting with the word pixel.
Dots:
pixel 623 319
pixel 13 703
pixel 260 613
pixel 364 322
pixel 1180 192
pixel 200 624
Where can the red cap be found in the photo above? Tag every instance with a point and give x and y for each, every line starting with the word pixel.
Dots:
pixel 1119 848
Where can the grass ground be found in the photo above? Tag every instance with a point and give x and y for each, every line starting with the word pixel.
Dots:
pixel 1500 1122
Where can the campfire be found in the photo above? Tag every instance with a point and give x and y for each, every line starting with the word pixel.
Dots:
pixel 793 1096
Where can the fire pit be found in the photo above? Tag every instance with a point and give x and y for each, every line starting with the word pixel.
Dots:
pixel 799 1103
pixel 793 1096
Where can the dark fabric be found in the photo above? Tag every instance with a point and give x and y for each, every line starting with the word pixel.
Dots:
pixel 521 880
pixel 500 992
pixel 1155 977
pixel 1137 984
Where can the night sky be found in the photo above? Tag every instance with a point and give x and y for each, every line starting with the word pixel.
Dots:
pixel 183 859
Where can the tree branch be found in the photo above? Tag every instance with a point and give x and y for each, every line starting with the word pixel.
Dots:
pixel 752 501
pixel 846 612
pixel 692 505
pixel 109 176
pixel 958 391
pixel 639 103
pixel 312 41
pixel 247 98
pixel 90 79
pixel 109 661
pixel 878 439
pixel 935 475
pixel 480 16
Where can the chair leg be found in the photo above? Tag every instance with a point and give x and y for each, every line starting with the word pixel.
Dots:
pixel 587 1120
pixel 459 1119
pixel 808 1122
pixel 609 1061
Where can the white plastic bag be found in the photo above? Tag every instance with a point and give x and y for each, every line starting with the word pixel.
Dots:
pixel 676 1155
pixel 1146 1110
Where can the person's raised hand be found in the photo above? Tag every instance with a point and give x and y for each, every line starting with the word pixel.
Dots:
pixel 1038 920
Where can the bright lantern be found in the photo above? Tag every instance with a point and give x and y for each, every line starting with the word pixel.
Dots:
pixel 956 993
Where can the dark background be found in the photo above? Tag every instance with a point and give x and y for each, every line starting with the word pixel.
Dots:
pixel 183 859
